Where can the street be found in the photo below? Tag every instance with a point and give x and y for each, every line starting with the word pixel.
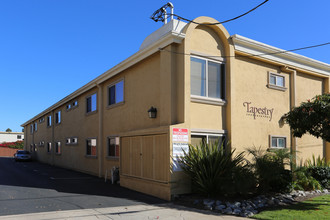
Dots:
pixel 32 187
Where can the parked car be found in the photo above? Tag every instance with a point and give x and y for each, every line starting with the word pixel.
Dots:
pixel 22 155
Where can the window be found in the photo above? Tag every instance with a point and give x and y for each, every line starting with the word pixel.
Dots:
pixel 91 103
pixel 19 137
pixel 116 93
pixel 31 129
pixel 68 107
pixel 35 126
pixel 277 142
pixel 91 147
pixel 49 147
pixel 49 120
pixel 197 139
pixel 74 140
pixel 113 146
pixel 276 81
pixel 207 78
pixel 41 144
pixel 74 104
pixel 41 120
pixel 58 147
pixel 68 141
pixel 58 117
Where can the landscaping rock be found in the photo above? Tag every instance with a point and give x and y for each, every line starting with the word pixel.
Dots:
pixel 220 207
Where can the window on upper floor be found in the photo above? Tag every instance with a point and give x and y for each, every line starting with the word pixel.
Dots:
pixel 116 93
pixel 207 78
pixel 31 129
pixel 58 117
pixel 277 142
pixel 35 126
pixel 74 104
pixel 91 103
pixel 68 107
pixel 276 81
pixel 49 120
pixel 113 147
pixel 41 120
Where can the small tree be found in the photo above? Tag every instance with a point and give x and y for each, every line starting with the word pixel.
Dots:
pixel 311 117
pixel 8 130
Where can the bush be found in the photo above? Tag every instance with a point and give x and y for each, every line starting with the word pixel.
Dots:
pixel 269 168
pixel 214 171
pixel 302 180
pixel 321 174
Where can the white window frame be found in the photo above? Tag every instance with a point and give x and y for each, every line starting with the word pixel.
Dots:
pixel 206 99
pixel 74 141
pixel 211 133
pixel 271 137
pixel 276 86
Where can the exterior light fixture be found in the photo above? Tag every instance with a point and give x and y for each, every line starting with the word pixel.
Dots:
pixel 152 112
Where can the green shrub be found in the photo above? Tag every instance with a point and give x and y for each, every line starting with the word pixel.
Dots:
pixel 269 168
pixel 302 180
pixel 214 171
pixel 321 174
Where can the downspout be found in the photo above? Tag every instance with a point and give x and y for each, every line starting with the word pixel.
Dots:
pixel 100 139
pixel 52 151
pixel 293 92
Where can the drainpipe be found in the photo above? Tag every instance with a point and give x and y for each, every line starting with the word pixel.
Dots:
pixel 52 150
pixel 293 76
pixel 100 139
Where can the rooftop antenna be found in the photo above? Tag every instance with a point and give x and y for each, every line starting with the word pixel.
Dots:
pixel 161 14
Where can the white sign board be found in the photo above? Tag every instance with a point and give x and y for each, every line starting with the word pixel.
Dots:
pixel 178 151
pixel 180 135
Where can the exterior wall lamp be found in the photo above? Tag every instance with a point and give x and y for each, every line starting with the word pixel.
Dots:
pixel 152 112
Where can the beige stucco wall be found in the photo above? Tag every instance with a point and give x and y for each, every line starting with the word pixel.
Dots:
pixel 251 79
pixel 307 87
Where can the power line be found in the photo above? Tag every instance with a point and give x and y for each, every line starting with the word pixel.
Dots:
pixel 253 55
pixel 159 13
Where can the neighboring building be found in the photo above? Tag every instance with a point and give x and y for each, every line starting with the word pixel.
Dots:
pixel 11 136
pixel 204 84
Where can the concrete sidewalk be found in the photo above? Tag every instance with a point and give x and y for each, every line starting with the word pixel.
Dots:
pixel 163 211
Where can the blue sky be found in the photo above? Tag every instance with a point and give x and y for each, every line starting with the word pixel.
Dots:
pixel 50 48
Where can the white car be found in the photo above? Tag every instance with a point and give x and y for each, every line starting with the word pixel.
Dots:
pixel 22 155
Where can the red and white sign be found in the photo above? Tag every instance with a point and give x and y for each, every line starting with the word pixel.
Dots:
pixel 180 134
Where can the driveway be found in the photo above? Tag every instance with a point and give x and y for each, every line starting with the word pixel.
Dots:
pixel 32 190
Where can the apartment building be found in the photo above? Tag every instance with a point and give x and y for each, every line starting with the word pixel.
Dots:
pixel 188 82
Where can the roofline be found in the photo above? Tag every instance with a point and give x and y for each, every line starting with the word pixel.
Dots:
pixel 4 132
pixel 257 49
pixel 169 38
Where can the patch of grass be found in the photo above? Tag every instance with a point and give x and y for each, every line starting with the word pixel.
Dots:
pixel 315 208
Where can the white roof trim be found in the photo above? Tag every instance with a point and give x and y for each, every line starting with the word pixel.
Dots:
pixel 246 45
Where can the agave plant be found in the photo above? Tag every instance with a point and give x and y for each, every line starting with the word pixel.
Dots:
pixel 211 167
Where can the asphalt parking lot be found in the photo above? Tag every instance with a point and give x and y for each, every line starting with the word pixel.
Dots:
pixel 33 187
